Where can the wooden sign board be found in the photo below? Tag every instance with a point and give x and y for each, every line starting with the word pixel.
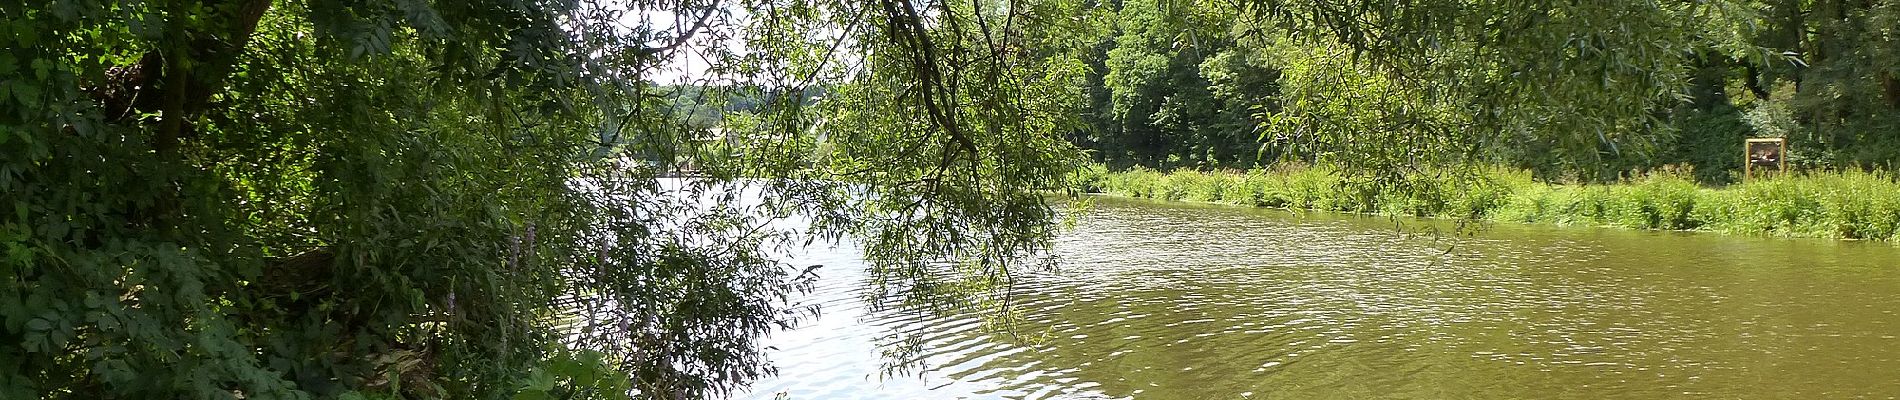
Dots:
pixel 1768 154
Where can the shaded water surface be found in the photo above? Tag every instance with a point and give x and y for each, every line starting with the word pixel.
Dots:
pixel 1166 301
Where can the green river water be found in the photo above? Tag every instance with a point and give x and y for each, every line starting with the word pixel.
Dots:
pixel 1172 301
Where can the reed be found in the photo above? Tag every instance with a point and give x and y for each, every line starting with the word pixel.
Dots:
pixel 1831 204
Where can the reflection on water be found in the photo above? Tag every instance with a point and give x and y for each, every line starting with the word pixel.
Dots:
pixel 1164 301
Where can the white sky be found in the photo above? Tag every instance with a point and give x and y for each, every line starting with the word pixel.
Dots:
pixel 686 64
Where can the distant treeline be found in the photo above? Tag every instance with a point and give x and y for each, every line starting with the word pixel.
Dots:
pixel 1590 90
pixel 706 106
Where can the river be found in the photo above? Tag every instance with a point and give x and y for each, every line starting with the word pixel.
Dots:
pixel 1173 301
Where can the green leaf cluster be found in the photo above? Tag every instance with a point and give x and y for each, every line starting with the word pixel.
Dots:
pixel 464 199
pixel 1571 90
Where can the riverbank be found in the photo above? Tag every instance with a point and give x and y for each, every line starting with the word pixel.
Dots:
pixel 1842 205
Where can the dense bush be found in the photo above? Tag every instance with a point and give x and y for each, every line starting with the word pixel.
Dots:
pixel 291 199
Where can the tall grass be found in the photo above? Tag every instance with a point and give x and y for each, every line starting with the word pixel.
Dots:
pixel 1844 204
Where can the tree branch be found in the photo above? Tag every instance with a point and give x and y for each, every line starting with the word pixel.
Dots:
pixel 704 20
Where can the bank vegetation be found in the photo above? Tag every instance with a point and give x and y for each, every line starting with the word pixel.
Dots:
pixel 1850 204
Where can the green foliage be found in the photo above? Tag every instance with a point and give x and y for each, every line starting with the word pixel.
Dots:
pixel 571 374
pixel 1136 182
pixel 1849 205
pixel 1589 91
pixel 461 199
pixel 1708 142
pixel 1173 89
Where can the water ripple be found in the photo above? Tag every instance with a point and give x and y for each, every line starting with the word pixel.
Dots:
pixel 1169 302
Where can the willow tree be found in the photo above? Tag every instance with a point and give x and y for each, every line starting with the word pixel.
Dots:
pixel 453 199
pixel 1586 89
pixel 1553 86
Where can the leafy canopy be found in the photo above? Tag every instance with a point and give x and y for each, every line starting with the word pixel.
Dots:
pixel 462 199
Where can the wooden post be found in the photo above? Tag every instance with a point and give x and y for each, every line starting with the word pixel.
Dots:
pixel 1764 152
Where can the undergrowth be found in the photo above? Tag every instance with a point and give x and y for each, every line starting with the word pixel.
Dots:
pixel 1833 204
